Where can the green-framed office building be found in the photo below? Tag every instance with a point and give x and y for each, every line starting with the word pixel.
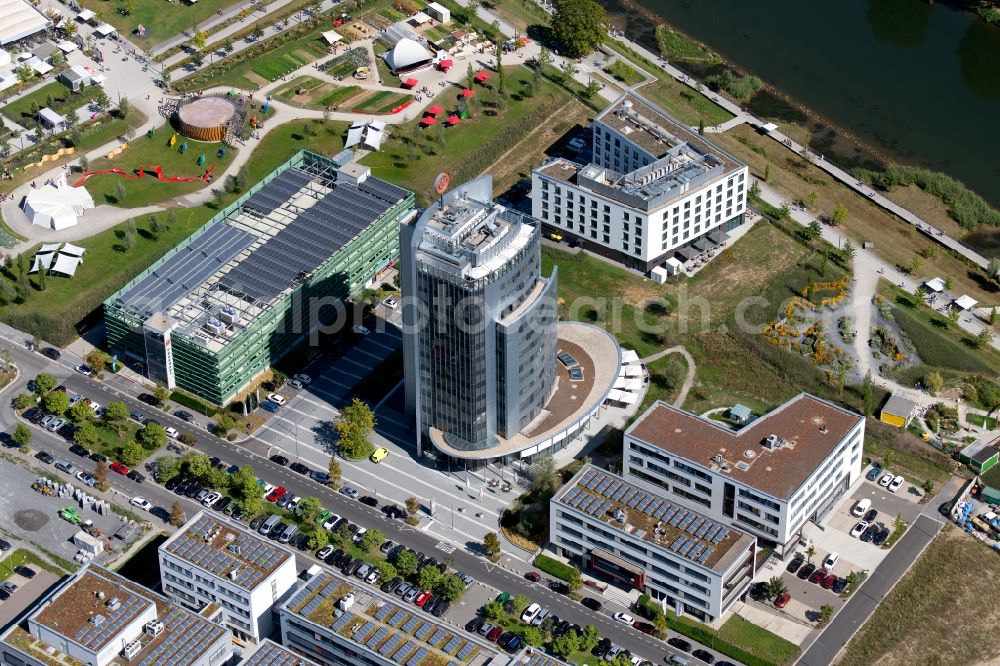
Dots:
pixel 259 278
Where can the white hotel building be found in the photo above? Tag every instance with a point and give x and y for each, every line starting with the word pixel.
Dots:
pixel 768 478
pixel 213 562
pixel 655 193
pixel 642 540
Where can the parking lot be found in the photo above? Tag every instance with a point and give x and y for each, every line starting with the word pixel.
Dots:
pixel 34 516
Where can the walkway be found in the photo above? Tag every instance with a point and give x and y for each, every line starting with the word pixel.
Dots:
pixel 688 378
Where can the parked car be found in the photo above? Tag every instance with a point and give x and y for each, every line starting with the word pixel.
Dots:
pixel 782 600
pixel 817 576
pixel 45 457
pixel 280 460
pixel 269 406
pixel 87 479
pixel 359 534
pixel 52 353
pixel 886 480
pixel 360 330
pixel 871 516
pixel 210 499
pixel 881 537
pixel 98 457
pixel 295 384
pixel 861 507
pixel 379 454
pixel 299 468
pixel 320 477
pixel 172 432
pixel 869 533
pixel 303 377
pixel 84 370
pixel 277 399
pixel 831 560
pixel 119 468
pixel 141 503
pixel 368 500
pixel 135 476
pixel 473 625
pixel 806 571
pixel 704 655
pixel 873 473
pixel 679 644
pixel 828 581
pixel 350 492
pixel 896 484
pixel 794 565
pixel 533 576
pixel 839 586
pixel 27 572
pixel 624 618
pixel 859 529
pixel 530 613
pixel 276 494
pixel 591 603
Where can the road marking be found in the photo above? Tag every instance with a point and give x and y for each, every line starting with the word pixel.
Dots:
pixel 445 546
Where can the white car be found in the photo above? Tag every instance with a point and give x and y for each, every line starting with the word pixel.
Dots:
pixel 859 529
pixel 84 370
pixel 331 521
pixel 172 433
pixel 373 577
pixel 276 399
pixel 293 504
pixel 390 303
pixel 324 552
pixel 530 612
pixel 359 534
pixel 361 330
pixel 831 561
pixel 303 377
pixel 211 499
pixel 896 484
pixel 267 488
pixel 295 384
pixel 861 508
pixel 886 480
pixel 624 618
pixel 141 503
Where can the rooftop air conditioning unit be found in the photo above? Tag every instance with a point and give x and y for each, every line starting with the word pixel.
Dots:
pixel 620 516
pixel 113 603
pixel 772 442
pixel 131 649
pixel 234 573
pixel 97 620
pixel 230 315
pixel 214 326
pixel 154 628
pixel 346 601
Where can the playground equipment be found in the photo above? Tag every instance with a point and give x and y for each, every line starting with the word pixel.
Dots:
pixel 266 108
pixel 149 134
pixel 222 152
pixel 253 121
pixel 184 148
pixel 141 173
pixel 173 140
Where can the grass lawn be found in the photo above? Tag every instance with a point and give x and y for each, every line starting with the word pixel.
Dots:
pixel 917 460
pixel 146 152
pixel 161 21
pixel 333 98
pixel 22 556
pixel 54 95
pixel 982 421
pixel 471 142
pixel 624 73
pixel 946 584
pixel 760 642
pixel 678 46
pixel 303 83
pixel 519 13
pixel 381 102
pixel 660 388
pixel 895 241
pixel 939 343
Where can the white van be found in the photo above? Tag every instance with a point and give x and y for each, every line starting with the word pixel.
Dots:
pixel 530 612
pixel 861 508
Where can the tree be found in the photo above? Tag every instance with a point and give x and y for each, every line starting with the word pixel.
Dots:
pixel 152 436
pixel 161 393
pixel 989 397
pixel 451 587
pixel 406 563
pixel 810 553
pixel 589 637
pixel 839 215
pixel 848 251
pixel 116 417
pixel 701 126
pixel 785 211
pixel 545 476
pixel 224 423
pixel 985 338
pixel 44 382
pixel 96 360
pixel 428 577
pixel 868 394
pixel 954 314
pixel 72 117
pixel 102 101
pixel 565 645
pixel 385 569
pixel 494 611
pixel 544 60
pixel 199 467
pixel 520 602
pixel 257 33
pixel 927 486
pixel 412 505
pixel 993 315
pixel 354 427
pixel 155 228
pixel 949 283
pixel 101 476
pixel 177 516
pixel 534 637
pixel 228 45
pixel 579 26
pixel 774 587
pixel 825 613
pixel 167 467
pixel 593 87
pixel 25 73
pixel 86 435
pixel 915 265
pixel 814 230
pixel 198 40
pixel 132 453
pixel 334 471
pixel 491 544
pixel 810 200
pixel 766 176
pixel 372 539
pixel 318 538
pixel 22 436
pixel 309 509
pixel 56 402
pixel 575 581
pixel 25 400
pixel 120 192
pixel 569 70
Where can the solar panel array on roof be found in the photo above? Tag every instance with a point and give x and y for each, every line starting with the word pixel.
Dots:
pixel 187 268
pixel 403 652
pixel 438 636
pixel 467 650
pixel 198 634
pixel 383 612
pixel 306 241
pixel 272 655
pixel 707 554
pixel 256 557
pixel 390 645
pixel 452 645
pixel 417 657
pixel 274 195
pixel 422 632
pixel 96 635
pixel 723 533
pixel 377 638
pixel 399 618
pixel 362 631
pixel 342 621
pixel 410 624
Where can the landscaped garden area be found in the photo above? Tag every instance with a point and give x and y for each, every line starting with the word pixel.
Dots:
pixel 146 152
pixel 161 21
pixel 56 96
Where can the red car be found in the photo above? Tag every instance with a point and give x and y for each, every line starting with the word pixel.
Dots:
pixel 782 600
pixel 533 576
pixel 817 576
pixel 829 581
pixel 494 634
pixel 276 494
pixel 422 598
pixel 120 468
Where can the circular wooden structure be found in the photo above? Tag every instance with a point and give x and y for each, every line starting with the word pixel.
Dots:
pixel 205 119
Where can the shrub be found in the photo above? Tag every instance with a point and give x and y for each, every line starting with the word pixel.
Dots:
pixel 556 568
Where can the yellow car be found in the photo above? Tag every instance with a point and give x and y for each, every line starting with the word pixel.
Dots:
pixel 379 455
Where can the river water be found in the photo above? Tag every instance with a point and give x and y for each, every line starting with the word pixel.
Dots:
pixel 913 82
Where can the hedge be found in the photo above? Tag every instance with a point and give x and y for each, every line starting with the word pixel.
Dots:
pixel 556 568
pixel 191 402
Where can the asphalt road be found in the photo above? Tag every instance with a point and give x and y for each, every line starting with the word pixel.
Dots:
pixel 866 600
pixel 253 453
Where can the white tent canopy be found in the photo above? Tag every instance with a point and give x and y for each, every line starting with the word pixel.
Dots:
pixel 628 384
pixel 67 46
pixel 42 260
pixel 366 135
pixel 66 264
pixel 420 18
pixel 965 302
pixel 332 36
pixel 623 397
pixel 50 117
pixel 57 206
pixel 629 371
pixel 73 250
pixel 85 15
pixel 48 247
pixel 629 356
pixel 406 54
pixel 20 20
pixel 104 30
pixel 936 285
